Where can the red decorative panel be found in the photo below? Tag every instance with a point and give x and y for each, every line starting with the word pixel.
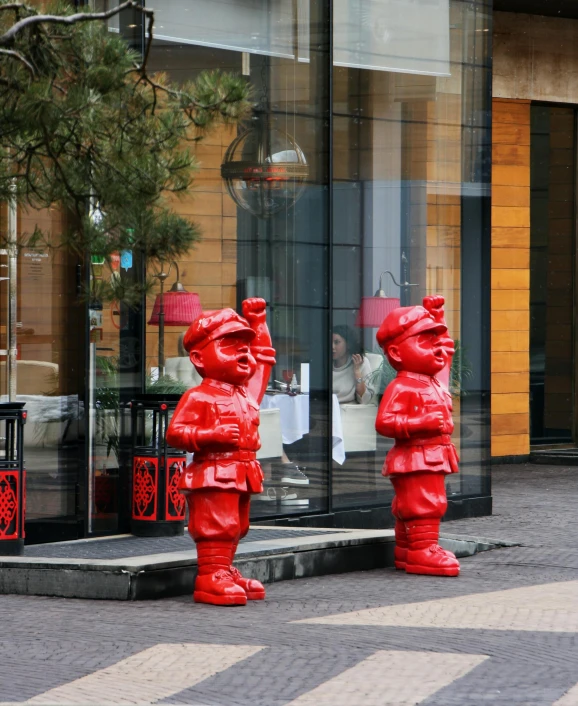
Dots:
pixel 175 502
pixel 145 477
pixel 9 490
pixel 23 503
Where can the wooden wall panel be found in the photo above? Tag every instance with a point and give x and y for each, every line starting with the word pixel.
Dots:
pixel 209 269
pixel 510 324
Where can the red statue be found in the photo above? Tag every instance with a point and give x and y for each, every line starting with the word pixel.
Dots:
pixel 218 422
pixel 416 410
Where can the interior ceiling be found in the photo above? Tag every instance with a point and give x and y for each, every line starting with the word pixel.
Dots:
pixel 552 8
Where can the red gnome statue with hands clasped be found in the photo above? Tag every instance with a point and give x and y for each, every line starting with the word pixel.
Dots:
pixel 218 422
pixel 416 410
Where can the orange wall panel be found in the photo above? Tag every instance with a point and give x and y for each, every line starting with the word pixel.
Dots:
pixel 510 282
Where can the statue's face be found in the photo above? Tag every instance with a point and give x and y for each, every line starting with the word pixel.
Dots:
pixel 228 359
pixel 424 353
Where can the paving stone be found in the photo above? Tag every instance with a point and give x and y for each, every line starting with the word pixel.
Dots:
pixel 51 643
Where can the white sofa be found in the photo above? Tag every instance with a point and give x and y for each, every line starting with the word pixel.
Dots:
pixel 47 415
pixel 358 420
pixel 270 433
pixel 181 369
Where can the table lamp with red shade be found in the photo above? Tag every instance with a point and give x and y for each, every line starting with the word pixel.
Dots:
pixel 177 307
pixel 373 310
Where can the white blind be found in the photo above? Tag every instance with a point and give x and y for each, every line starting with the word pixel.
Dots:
pixel 255 26
pixel 410 36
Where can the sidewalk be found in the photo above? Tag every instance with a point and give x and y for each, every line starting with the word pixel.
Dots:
pixel 534 505
pixel 133 568
pixel 126 567
pixel 505 632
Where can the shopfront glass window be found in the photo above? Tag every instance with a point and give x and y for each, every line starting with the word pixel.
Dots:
pixel 40 319
pixel 410 190
pixel 261 201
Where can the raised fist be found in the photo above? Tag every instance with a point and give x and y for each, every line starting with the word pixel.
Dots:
pixel 435 305
pixel 254 310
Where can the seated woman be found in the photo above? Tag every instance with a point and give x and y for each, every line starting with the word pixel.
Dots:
pixel 351 370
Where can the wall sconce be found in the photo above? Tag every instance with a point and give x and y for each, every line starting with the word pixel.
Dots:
pixel 373 310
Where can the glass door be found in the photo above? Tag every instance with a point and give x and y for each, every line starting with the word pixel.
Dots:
pixel 114 367
pixel 41 365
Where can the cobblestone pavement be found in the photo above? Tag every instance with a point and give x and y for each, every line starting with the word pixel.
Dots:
pixel 505 632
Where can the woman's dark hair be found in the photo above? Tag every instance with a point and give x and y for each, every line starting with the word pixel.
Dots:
pixel 350 337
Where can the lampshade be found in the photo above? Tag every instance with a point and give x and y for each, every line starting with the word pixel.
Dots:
pixel 373 310
pixel 180 308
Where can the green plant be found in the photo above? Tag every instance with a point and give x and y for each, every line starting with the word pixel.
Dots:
pixel 461 371
pixel 165 385
pixel 380 378
pixel 107 404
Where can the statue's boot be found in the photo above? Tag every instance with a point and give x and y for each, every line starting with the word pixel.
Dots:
pixel 424 555
pixel 254 589
pixel 214 583
pixel 401 545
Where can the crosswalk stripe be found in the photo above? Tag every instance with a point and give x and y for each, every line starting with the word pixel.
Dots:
pixel 570 698
pixel 551 607
pixel 149 676
pixel 391 678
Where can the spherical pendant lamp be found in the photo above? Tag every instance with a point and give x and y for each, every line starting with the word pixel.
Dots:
pixel 265 169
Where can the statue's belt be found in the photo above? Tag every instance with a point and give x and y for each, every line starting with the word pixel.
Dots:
pixel 440 440
pixel 240 455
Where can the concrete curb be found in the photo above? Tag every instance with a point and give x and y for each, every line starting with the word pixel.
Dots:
pixel 173 574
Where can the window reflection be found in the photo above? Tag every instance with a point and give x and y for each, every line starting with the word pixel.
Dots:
pixel 397 169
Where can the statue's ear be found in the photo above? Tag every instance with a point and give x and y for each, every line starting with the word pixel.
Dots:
pixel 197 360
pixel 393 353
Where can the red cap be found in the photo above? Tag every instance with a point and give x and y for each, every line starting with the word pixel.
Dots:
pixel 215 325
pixel 404 322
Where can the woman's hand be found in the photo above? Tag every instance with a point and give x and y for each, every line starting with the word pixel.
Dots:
pixel 357 360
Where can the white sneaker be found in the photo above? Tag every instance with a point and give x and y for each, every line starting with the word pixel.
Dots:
pixel 293 475
pixel 291 499
pixel 268 495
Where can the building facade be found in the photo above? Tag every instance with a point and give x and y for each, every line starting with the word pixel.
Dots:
pixel 360 182
pixel 534 229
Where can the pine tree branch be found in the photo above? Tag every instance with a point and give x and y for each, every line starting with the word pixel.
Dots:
pixel 10 35
pixel 16 6
pixel 19 57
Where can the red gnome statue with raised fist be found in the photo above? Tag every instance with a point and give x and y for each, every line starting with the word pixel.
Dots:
pixel 416 410
pixel 218 422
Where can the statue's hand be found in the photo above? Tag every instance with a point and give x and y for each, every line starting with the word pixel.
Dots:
pixel 228 434
pixel 254 310
pixel 432 421
pixel 435 305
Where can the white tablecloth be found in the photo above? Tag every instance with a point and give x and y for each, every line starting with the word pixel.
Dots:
pixel 294 415
pixel 338 452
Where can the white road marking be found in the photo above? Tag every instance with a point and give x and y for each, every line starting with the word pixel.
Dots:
pixel 570 698
pixel 391 678
pixel 551 607
pixel 148 676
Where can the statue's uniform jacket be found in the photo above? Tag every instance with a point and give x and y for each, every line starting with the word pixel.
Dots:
pixel 215 403
pixel 408 398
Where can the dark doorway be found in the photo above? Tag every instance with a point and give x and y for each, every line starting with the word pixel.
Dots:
pixel 552 262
